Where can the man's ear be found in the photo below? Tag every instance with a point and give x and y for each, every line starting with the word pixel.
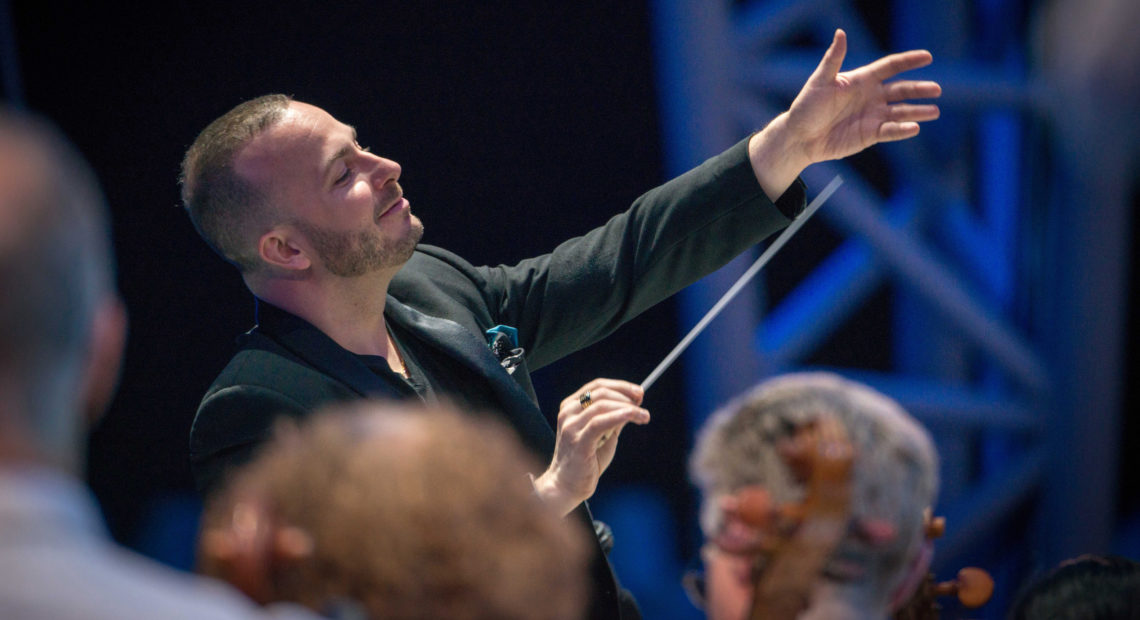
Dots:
pixel 105 356
pixel 250 546
pixel 280 249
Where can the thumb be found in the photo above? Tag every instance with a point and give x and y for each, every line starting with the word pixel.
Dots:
pixel 832 60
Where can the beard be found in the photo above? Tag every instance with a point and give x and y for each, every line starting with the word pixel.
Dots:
pixel 352 254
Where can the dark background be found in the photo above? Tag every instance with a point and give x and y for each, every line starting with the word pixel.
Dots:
pixel 518 125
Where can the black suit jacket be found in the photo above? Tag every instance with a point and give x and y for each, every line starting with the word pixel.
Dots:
pixel 559 302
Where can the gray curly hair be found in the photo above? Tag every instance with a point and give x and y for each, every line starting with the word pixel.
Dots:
pixel 895 472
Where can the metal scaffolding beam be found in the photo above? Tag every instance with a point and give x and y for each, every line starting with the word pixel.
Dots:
pixel 954 240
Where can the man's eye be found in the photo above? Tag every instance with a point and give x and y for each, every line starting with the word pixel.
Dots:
pixel 344 176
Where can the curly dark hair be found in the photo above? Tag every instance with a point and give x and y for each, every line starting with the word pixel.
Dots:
pixel 1089 587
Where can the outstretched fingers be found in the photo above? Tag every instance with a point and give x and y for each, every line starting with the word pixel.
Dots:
pixel 893 64
pixel 911 89
pixel 893 132
pixel 902 119
pixel 903 112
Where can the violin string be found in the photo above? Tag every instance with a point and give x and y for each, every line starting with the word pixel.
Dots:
pixel 742 281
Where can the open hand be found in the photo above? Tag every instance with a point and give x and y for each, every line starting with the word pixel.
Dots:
pixel 839 114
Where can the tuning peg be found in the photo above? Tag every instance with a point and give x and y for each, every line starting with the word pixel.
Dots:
pixel 973 587
pixel 935 528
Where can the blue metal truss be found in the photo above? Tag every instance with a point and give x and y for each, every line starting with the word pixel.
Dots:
pixel 957 241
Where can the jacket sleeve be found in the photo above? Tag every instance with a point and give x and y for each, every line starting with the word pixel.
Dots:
pixel 230 424
pixel 670 237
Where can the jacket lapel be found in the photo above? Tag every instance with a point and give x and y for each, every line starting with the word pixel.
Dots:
pixel 452 340
pixel 321 352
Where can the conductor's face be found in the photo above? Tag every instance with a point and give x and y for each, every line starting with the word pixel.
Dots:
pixel 339 203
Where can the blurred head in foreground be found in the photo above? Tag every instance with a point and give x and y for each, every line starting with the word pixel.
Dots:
pixel 62 330
pixel 892 475
pixel 1089 587
pixel 62 325
pixel 400 511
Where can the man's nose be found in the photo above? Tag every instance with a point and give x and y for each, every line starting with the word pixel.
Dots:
pixel 386 170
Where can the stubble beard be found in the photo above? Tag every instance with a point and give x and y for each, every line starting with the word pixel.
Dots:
pixel 353 254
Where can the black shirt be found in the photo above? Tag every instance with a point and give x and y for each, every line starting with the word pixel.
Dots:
pixel 431 377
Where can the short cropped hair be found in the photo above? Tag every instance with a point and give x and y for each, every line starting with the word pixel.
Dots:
pixel 416 513
pixel 56 265
pixel 226 209
pixel 895 468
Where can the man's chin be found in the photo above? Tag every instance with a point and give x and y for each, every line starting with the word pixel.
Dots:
pixel 415 233
pixel 407 245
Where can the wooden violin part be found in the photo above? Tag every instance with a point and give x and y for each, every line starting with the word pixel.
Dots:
pixel 798 539
pixel 973 586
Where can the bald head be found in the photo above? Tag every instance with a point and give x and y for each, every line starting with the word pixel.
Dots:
pixel 56 275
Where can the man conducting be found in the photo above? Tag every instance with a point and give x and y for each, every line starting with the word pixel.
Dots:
pixel 350 305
